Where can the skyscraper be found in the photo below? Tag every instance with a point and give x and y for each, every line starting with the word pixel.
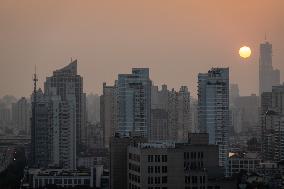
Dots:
pixel 60 80
pixel 134 102
pixel 213 108
pixel 272 124
pixel 268 76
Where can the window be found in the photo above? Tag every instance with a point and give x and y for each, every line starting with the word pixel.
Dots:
pixel 187 179
pixel 157 158
pixel 164 169
pixel 150 158
pixel 150 180
pixel 164 158
pixel 164 179
pixel 157 180
pixel 157 169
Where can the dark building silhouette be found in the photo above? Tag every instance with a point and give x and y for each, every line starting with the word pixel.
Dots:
pixel 268 76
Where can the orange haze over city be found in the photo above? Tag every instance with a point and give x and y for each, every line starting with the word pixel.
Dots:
pixel 175 39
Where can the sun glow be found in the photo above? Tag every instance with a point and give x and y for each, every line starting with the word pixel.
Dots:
pixel 245 52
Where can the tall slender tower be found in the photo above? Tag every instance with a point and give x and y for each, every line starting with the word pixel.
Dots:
pixel 268 76
pixel 33 120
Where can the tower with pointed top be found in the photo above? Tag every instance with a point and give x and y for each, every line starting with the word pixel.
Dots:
pixel 268 76
pixel 61 80
pixel 33 120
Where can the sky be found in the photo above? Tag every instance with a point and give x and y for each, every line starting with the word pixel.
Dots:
pixel 176 39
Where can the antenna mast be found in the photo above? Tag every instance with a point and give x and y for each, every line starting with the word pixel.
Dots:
pixel 35 79
pixel 33 125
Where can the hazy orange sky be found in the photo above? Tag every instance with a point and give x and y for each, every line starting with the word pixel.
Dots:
pixel 177 39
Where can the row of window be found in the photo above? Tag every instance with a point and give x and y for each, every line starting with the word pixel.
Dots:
pixel 193 165
pixel 236 162
pixel 158 180
pixel 43 182
pixel 134 167
pixel 133 186
pixel 157 169
pixel 195 187
pixel 194 179
pixel 134 178
pixel 157 158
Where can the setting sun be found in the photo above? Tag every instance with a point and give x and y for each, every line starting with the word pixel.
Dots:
pixel 245 52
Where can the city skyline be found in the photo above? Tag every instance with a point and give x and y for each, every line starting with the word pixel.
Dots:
pixel 142 94
pixel 169 39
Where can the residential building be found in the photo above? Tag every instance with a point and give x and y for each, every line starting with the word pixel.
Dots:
pixel 159 129
pixel 176 106
pixel 54 129
pixel 213 108
pixel 61 80
pixel 134 103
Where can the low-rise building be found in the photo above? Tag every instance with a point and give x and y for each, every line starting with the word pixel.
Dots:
pixel 243 162
pixel 40 178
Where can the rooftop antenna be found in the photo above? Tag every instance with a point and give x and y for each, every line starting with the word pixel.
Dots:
pixel 35 79
pixel 265 36
pixel 33 125
pixel 71 59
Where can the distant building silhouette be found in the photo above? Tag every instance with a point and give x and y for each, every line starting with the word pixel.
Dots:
pixel 21 115
pixel 247 107
pixel 171 115
pixel 108 112
pixel 234 93
pixel 268 76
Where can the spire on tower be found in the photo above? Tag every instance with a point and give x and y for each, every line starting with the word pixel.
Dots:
pixel 35 79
